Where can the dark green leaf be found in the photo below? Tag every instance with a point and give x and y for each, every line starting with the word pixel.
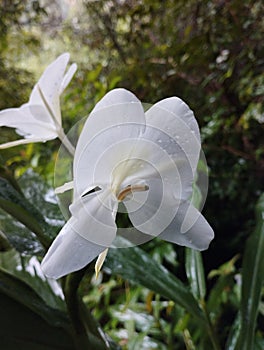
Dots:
pixel 15 204
pixel 19 236
pixel 27 269
pixel 4 243
pixel 22 329
pixel 137 266
pixel 252 280
pixel 195 273
pixel 233 334
pixel 25 295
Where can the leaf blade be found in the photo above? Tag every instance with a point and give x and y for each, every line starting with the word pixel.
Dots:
pixel 195 273
pixel 132 264
pixel 252 280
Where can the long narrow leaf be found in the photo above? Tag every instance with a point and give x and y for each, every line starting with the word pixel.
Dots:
pixel 136 265
pixel 195 273
pixel 252 281
pixel 23 294
pixel 23 329
pixel 193 259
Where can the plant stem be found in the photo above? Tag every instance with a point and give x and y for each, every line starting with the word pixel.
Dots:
pixel 66 142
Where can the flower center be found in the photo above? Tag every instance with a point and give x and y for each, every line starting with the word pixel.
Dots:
pixel 130 189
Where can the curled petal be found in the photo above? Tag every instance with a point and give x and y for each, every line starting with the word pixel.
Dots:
pixel 189 228
pixel 69 252
pixel 93 217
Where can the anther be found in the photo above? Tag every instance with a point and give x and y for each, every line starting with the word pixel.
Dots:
pixel 130 189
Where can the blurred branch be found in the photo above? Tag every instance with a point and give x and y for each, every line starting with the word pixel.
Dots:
pixel 238 153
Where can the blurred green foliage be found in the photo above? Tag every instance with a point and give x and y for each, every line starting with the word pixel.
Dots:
pixel 209 53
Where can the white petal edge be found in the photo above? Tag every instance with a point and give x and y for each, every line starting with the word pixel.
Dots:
pixel 21 142
pixel 69 252
pixel 93 217
pixel 115 97
pixel 179 108
pixel 50 85
pixel 68 77
pixel 183 128
pixel 189 228
pixel 117 107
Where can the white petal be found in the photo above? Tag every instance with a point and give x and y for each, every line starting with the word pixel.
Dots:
pixel 50 85
pixel 69 252
pixel 157 150
pixel 38 114
pixel 152 211
pixel 115 97
pixel 179 108
pixel 14 118
pixel 117 107
pixel 129 161
pixel 68 77
pixel 174 118
pixel 117 117
pixel 93 217
pixel 98 160
pixel 169 178
pixel 29 120
pixel 189 228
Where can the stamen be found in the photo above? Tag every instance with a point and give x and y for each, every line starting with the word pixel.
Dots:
pixel 130 189
pixel 66 187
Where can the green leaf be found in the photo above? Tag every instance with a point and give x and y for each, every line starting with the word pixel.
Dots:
pixel 42 196
pixel 4 243
pixel 22 281
pixel 19 236
pixel 25 295
pixel 233 334
pixel 252 280
pixel 136 265
pixel 193 259
pixel 15 204
pixel 219 294
pixel 195 273
pixel 27 269
pixel 21 328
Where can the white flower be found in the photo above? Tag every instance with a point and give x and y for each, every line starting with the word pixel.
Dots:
pixel 39 120
pixel 147 161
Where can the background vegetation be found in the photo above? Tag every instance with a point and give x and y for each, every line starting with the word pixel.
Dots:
pixel 209 53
